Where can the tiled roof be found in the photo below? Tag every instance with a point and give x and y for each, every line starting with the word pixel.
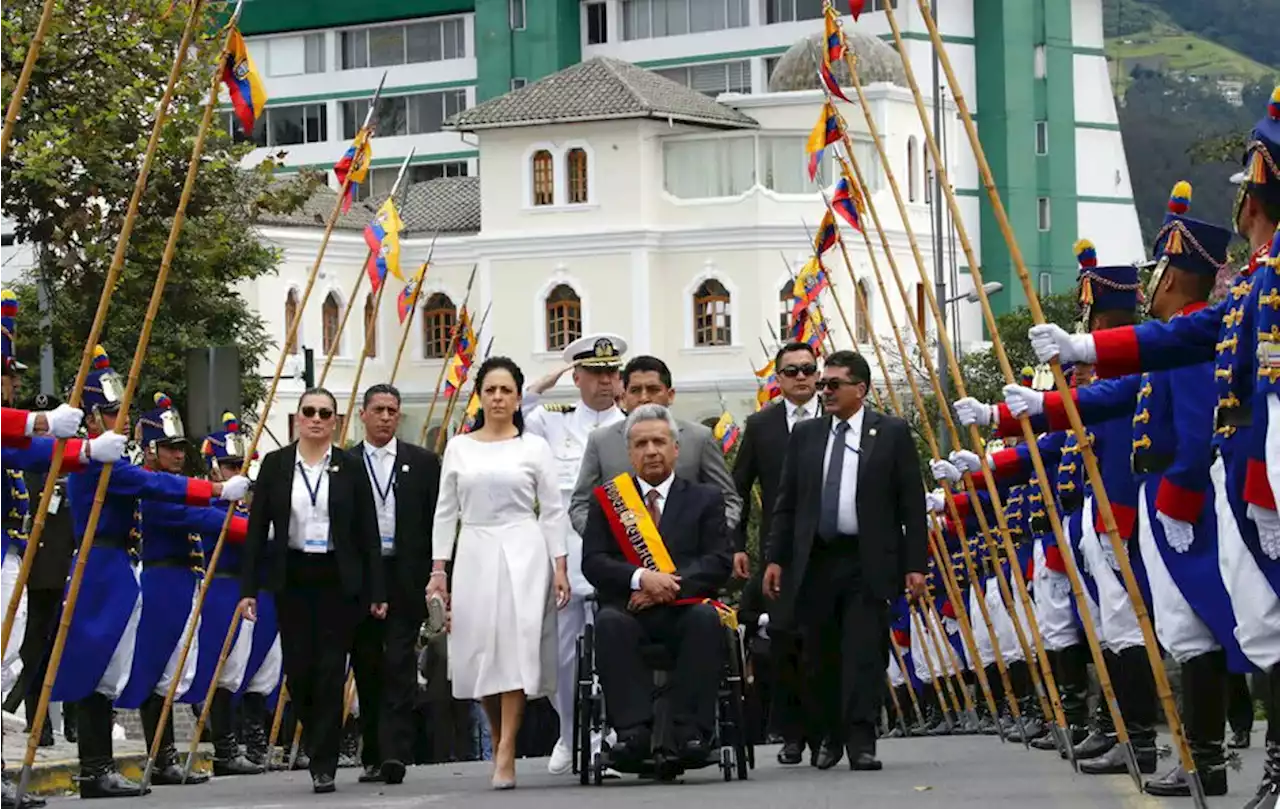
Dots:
pixel 448 205
pixel 599 89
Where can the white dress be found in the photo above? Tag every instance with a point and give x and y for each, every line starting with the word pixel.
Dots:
pixel 503 635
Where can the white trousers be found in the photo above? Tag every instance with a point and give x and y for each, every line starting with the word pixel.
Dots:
pixel 1052 593
pixel 188 675
pixel 1120 628
pixel 12 661
pixel 116 676
pixel 267 677
pixel 981 637
pixel 896 677
pixel 233 668
pixel 1179 629
pixel 1254 601
pixel 1010 650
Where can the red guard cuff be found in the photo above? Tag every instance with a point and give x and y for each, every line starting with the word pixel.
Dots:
pixel 1006 425
pixel 71 455
pixel 1006 463
pixel 1126 518
pixel 1117 351
pixel 238 531
pixel 901 638
pixel 1257 488
pixel 13 428
pixel 948 611
pixel 1053 560
pixel 1055 413
pixel 962 507
pixel 1030 573
pixel 1181 504
pixel 199 492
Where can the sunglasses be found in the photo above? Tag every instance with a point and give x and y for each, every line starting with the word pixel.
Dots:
pixel 310 412
pixel 793 371
pixel 834 385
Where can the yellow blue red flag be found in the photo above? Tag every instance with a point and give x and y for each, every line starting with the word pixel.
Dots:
pixel 248 94
pixel 383 237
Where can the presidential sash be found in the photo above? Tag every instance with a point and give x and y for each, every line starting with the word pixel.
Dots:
pixel 637 536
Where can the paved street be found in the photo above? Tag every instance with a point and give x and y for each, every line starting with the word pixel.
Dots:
pixel 919 774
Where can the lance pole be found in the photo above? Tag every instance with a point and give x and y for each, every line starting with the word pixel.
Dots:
pixel 817 319
pixel 897 706
pixel 448 358
pixel 906 677
pixel 413 309
pixel 452 402
pixel 100 317
pixel 956 595
pixel 955 681
pixel 24 77
pixel 212 565
pixel 939 685
pixel 227 643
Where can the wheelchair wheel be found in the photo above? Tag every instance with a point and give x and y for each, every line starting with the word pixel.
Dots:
pixel 726 763
pixel 736 699
pixel 584 704
pixel 597 770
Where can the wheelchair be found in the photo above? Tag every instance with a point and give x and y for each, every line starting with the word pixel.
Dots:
pixel 736 753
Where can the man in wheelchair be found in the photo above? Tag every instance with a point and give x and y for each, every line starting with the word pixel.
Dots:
pixel 657 549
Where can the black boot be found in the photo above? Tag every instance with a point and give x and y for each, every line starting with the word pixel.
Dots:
pixel 1269 789
pixel 1204 717
pixel 1136 693
pixel 227 759
pixel 99 777
pixel 253 709
pixel 69 723
pixel 1102 736
pixel 165 771
pixel 46 732
pixel 349 752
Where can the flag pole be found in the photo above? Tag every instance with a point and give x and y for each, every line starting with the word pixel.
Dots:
pixel 925 641
pixel 448 357
pixel 906 676
pixel 99 318
pixel 131 386
pixel 212 564
pixel 413 310
pixel 28 67
pixel 452 402
pixel 831 282
pixel 821 321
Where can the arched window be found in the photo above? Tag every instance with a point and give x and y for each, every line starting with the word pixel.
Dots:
pixel 330 311
pixel 862 331
pixel 911 169
pixel 291 312
pixel 786 302
pixel 438 316
pixel 370 337
pixel 576 162
pixel 544 183
pixel 564 317
pixel 711 326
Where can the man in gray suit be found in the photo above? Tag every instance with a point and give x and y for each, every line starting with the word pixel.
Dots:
pixel 647 380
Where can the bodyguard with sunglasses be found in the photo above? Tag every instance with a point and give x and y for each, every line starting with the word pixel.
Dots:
pixel 313 542
pixel 848 535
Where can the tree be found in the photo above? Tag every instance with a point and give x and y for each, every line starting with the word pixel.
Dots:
pixel 75 156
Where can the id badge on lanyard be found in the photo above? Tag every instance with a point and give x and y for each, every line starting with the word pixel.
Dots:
pixel 316 539
pixel 383 494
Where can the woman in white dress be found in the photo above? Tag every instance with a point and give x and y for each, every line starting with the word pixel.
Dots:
pixel 510 572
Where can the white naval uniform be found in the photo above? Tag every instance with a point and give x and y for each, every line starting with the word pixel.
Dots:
pixel 566 430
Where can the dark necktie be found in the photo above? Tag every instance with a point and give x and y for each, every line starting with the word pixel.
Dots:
pixel 829 513
pixel 651 500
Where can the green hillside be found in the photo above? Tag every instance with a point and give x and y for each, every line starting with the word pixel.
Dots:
pixel 1175 50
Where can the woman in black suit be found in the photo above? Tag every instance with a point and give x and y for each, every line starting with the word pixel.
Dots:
pixel 313 542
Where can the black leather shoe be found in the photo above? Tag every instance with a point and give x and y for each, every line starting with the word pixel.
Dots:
pixel 393 771
pixel 635 745
pixel 1095 744
pixel 372 775
pixel 694 752
pixel 110 784
pixel 1113 762
pixel 1240 740
pixel 235 765
pixel 829 755
pixel 172 776
pixel 864 762
pixel 1175 784
pixel 791 753
pixel 323 783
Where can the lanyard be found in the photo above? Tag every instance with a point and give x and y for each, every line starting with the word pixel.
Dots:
pixel 314 493
pixel 383 494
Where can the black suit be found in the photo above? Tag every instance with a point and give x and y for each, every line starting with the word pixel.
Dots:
pixel 696 536
pixel 764 445
pixel 838 589
pixel 383 655
pixel 320 597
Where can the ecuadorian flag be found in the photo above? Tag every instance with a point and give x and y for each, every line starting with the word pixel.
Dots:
pixel 726 432
pixel 383 237
pixel 248 95
pixel 408 297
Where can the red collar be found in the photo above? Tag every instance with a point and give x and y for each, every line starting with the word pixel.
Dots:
pixel 1260 255
pixel 1194 306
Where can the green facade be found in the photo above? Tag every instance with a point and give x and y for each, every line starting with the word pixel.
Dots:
pixel 275 16
pixel 550 41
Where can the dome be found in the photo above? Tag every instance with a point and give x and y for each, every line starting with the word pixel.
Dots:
pixel 798 67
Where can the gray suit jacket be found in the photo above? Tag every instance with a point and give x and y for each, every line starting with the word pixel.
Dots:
pixel 701 460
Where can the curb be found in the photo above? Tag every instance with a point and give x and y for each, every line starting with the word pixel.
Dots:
pixel 58 777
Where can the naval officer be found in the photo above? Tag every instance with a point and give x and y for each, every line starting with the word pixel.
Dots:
pixel 595 360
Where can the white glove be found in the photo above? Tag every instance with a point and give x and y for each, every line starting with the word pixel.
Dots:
pixel 1268 523
pixel 64 420
pixel 1049 341
pixel 966 461
pixel 970 411
pixel 1023 400
pixel 1109 553
pixel 944 470
pixel 108 447
pixel 935 502
pixel 1271 449
pixel 234 489
pixel 762 624
pixel 1179 534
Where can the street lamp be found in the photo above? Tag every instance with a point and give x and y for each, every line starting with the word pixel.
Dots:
pixel 991 288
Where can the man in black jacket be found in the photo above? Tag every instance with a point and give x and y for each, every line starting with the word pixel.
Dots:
pixel 404 480
pixel 641 604
pixel 848 533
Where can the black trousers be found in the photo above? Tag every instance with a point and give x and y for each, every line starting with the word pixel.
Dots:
pixel 845 636
pixel 43 608
pixel 385 666
pixel 1239 703
pixel 317 623
pixel 788 705
pixel 694 637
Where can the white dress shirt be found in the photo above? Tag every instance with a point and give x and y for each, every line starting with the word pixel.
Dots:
pixel 380 463
pixel 663 489
pixel 308 520
pixel 847 518
pixel 797 412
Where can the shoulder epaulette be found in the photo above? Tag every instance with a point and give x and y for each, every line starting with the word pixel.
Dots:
pixel 556 407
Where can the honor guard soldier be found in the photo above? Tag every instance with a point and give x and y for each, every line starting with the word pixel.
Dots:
pixel 252 667
pixel 1227 335
pixel 596 360
pixel 104 626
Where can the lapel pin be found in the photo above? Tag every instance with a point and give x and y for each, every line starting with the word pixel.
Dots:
pixel 333 468
pixel 404 468
pixel 871 432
